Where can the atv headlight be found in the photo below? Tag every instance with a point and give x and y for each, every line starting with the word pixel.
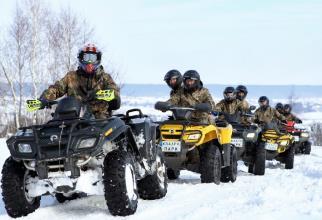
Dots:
pixel 250 135
pixel 305 135
pixel 24 148
pixel 87 143
pixel 27 132
pixel 284 143
pixel 194 136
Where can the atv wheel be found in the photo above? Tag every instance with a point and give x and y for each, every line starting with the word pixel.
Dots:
pixel 173 174
pixel 289 158
pixel 61 198
pixel 307 147
pixel 154 186
pixel 260 158
pixel 230 173
pixel 120 183
pixel 14 193
pixel 210 164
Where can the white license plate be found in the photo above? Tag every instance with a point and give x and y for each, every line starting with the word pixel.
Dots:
pixel 296 138
pixel 270 146
pixel 238 142
pixel 171 146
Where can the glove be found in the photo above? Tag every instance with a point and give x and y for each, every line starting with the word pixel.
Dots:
pixel 44 103
pixel 284 121
pixel 256 121
pixel 299 121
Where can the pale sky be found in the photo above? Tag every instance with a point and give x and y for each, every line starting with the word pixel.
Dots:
pixel 226 41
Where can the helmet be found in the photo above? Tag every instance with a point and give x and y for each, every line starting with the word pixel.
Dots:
pixel 263 102
pixel 241 89
pixel 173 74
pixel 279 107
pixel 229 94
pixel 191 75
pixel 287 108
pixel 89 58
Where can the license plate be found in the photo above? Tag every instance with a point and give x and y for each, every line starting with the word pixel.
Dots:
pixel 238 142
pixel 171 146
pixel 296 138
pixel 270 146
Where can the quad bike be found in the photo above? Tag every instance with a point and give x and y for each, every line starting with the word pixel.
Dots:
pixel 274 144
pixel 301 137
pixel 245 138
pixel 195 146
pixel 55 158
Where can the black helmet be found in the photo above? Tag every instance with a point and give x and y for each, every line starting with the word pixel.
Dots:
pixel 173 74
pixel 89 59
pixel 287 108
pixel 242 89
pixel 279 107
pixel 262 100
pixel 194 75
pixel 229 93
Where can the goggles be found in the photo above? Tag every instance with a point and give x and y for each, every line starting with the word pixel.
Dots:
pixel 90 57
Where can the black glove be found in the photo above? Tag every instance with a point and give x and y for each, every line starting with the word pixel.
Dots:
pixel 284 121
pixel 44 103
pixel 256 121
pixel 299 121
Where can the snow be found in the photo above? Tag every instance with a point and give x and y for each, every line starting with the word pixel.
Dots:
pixel 280 194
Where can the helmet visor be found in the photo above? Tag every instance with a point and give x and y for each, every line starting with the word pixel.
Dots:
pixel 90 57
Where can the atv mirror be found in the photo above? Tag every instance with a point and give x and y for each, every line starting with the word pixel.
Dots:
pixel 162 106
pixel 252 108
pixel 203 107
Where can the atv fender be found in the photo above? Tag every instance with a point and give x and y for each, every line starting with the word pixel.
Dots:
pixel 116 128
pixel 226 154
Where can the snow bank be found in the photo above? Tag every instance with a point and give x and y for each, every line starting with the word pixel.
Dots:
pixel 280 194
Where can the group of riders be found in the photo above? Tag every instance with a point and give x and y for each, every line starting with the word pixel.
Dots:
pixel 187 90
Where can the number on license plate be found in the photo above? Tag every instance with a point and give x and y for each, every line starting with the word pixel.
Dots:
pixel 171 146
pixel 238 142
pixel 270 146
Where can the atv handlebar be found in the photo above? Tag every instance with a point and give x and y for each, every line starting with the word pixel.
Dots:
pixel 165 106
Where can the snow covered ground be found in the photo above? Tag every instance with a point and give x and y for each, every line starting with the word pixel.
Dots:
pixel 280 194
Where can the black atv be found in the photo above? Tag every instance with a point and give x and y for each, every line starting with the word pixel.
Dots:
pixel 51 159
pixel 245 138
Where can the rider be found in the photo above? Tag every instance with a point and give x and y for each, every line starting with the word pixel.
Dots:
pixel 279 107
pixel 193 93
pixel 241 93
pixel 266 114
pixel 289 116
pixel 174 79
pixel 81 83
pixel 230 105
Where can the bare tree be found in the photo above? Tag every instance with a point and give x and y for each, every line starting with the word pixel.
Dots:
pixel 19 35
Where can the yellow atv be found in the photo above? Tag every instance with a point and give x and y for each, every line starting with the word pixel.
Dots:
pixel 195 146
pixel 274 144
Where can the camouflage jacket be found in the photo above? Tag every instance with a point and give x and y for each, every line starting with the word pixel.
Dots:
pixel 291 117
pixel 230 107
pixel 187 99
pixel 267 116
pixel 245 104
pixel 76 84
pixel 236 107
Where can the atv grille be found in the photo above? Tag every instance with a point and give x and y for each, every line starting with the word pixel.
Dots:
pixel 171 137
pixel 53 148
